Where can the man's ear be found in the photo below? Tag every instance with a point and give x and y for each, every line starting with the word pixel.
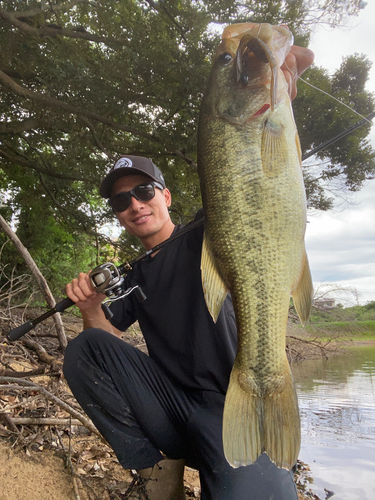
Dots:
pixel 167 196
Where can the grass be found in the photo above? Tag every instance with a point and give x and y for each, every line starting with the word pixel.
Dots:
pixel 343 330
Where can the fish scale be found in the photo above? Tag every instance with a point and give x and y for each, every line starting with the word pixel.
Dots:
pixel 255 212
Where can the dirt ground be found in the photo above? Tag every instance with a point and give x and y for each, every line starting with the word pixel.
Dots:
pixel 62 459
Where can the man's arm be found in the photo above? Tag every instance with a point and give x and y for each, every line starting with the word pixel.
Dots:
pixel 89 302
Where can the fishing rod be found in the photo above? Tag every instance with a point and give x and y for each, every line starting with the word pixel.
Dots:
pixel 108 279
pixel 337 137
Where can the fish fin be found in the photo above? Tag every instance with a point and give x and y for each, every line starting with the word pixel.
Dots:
pixel 299 150
pixel 253 424
pixel 303 293
pixel 274 149
pixel 243 410
pixel 282 428
pixel 214 288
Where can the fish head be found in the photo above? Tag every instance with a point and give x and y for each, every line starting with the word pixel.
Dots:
pixel 246 80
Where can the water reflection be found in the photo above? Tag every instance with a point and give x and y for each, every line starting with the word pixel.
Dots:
pixel 337 406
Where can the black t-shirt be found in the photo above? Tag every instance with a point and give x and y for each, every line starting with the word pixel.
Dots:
pixel 179 331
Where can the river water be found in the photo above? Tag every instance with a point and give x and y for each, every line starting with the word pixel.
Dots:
pixel 337 406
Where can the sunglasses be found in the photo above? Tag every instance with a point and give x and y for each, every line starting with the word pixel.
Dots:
pixel 144 192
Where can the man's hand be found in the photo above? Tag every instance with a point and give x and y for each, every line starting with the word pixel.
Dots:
pixel 80 290
pixel 296 62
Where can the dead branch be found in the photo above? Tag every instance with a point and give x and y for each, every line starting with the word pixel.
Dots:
pixel 39 278
pixel 42 354
pixel 68 460
pixel 44 421
pixel 25 385
pixel 8 422
pixel 30 373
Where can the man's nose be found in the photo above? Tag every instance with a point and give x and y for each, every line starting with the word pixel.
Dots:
pixel 135 204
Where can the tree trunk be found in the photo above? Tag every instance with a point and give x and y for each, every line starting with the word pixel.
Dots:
pixel 39 278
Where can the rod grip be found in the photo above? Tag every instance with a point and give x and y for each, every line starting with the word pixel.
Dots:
pixel 64 304
pixel 29 325
pixel 20 330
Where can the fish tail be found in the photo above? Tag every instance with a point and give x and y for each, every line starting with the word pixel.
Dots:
pixel 282 429
pixel 243 416
pixel 254 423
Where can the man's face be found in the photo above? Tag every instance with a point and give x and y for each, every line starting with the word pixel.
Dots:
pixel 143 218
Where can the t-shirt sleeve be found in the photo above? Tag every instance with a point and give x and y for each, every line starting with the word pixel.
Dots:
pixel 123 314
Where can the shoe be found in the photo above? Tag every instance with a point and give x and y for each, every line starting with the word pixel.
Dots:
pixel 164 481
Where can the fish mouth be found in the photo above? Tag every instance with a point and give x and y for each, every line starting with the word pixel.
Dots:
pixel 254 51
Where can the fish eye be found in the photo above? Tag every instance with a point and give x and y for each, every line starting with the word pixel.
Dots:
pixel 225 58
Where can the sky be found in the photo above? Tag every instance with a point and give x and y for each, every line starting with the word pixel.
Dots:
pixel 341 243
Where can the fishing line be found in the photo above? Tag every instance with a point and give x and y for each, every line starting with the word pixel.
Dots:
pixel 296 78
pixel 335 98
pixel 346 132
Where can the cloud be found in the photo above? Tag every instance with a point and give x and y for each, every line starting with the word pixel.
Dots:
pixel 341 246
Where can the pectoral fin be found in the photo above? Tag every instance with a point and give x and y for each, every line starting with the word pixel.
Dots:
pixel 214 288
pixel 274 149
pixel 303 293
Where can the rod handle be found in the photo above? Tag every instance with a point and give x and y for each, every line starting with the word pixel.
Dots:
pixel 20 330
pixel 64 304
pixel 29 325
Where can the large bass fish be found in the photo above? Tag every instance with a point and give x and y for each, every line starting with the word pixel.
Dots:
pixel 255 209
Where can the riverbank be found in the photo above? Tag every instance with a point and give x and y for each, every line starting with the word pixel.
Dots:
pixel 93 470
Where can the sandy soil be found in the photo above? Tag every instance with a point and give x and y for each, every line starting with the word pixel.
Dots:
pixel 38 477
pixel 43 476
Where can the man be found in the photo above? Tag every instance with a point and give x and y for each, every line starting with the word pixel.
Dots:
pixel 160 410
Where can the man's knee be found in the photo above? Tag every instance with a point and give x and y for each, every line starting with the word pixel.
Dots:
pixel 81 348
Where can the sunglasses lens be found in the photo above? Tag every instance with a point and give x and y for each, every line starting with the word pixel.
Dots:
pixel 121 201
pixel 144 192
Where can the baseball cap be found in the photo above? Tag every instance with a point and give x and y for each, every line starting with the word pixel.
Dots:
pixel 128 165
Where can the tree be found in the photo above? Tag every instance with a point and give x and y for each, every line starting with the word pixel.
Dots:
pixel 83 81
pixel 349 162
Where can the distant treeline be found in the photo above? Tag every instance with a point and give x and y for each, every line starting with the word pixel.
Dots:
pixel 344 314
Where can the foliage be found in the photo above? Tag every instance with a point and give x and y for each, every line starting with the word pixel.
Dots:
pixel 333 328
pixel 83 81
pixel 355 313
pixel 345 165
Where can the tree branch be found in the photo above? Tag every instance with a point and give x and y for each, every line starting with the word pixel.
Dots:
pixel 97 142
pixel 25 163
pixel 54 31
pixel 39 278
pixel 56 8
pixel 67 108
pixel 155 6
pixel 31 386
pixel 16 127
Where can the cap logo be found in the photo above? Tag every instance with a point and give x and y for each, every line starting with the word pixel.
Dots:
pixel 123 162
